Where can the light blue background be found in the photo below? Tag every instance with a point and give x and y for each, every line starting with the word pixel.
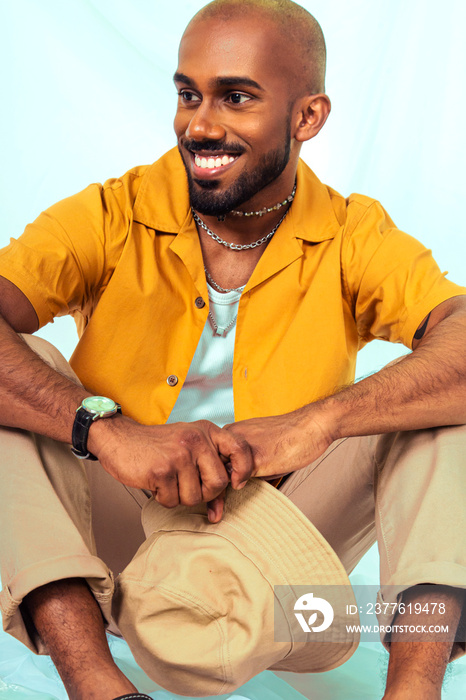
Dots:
pixel 87 94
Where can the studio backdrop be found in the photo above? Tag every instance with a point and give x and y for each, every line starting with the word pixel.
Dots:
pixel 87 93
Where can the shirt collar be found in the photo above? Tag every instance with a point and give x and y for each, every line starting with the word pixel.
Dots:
pixel 162 202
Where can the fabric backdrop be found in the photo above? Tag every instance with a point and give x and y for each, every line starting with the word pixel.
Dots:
pixel 87 93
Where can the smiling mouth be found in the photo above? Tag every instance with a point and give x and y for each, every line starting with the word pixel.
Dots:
pixel 214 161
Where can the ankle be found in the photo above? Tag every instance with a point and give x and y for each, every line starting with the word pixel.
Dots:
pixel 409 682
pixel 104 684
pixel 408 692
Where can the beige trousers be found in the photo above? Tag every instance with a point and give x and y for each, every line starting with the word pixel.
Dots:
pixel 61 517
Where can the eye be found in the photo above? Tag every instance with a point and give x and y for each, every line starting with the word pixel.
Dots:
pixel 188 96
pixel 238 98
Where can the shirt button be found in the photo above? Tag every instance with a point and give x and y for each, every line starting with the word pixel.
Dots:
pixel 199 303
pixel 172 380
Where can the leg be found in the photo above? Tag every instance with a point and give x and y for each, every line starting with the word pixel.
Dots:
pixel 69 622
pixel 336 492
pixel 57 592
pixel 410 476
pixel 417 668
pixel 42 549
pixel 421 541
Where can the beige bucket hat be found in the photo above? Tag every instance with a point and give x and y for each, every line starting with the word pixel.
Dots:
pixel 205 607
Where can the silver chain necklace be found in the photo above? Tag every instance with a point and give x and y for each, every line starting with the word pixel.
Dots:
pixel 215 326
pixel 235 246
pixel 218 287
pixel 212 320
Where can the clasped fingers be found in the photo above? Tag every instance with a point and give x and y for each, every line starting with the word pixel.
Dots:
pixel 195 472
pixel 237 453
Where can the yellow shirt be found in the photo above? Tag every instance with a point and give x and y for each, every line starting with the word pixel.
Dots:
pixel 124 259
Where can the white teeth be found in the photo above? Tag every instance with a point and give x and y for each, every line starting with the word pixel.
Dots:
pixel 213 162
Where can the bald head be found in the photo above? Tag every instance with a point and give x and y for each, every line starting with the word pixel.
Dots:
pixel 300 29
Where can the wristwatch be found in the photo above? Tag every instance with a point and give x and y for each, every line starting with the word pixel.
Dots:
pixel 92 408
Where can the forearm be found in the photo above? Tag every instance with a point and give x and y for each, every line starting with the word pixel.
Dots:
pixel 181 463
pixel 33 395
pixel 426 388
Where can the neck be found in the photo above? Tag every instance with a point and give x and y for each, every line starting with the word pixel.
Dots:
pixel 245 229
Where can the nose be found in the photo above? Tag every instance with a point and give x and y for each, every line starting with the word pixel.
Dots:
pixel 205 125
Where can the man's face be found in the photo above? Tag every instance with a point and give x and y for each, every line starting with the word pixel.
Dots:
pixel 233 120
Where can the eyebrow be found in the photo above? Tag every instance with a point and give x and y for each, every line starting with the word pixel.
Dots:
pixel 182 78
pixel 221 81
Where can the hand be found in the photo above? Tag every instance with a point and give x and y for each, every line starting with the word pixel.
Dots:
pixel 283 444
pixel 181 463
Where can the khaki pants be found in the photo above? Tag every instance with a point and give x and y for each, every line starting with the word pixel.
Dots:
pixel 61 517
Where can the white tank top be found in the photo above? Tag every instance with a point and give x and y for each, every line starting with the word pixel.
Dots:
pixel 208 390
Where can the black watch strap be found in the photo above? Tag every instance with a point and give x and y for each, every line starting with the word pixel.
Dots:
pixel 82 422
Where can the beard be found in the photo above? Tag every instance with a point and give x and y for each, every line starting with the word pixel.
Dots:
pixel 206 200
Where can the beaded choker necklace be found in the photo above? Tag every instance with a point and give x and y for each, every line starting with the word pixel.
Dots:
pixel 264 210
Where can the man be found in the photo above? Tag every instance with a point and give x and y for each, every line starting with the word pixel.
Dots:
pixel 316 277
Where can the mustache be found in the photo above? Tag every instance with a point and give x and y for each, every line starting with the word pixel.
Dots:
pixel 214 146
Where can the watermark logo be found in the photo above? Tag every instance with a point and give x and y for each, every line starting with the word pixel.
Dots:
pixel 309 604
pixel 343 613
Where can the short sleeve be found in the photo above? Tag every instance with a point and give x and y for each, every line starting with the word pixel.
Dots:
pixel 64 259
pixel 391 278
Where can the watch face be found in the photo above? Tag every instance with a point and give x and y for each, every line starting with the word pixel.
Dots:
pixel 98 404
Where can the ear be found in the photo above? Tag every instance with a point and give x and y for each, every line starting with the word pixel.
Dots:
pixel 311 114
